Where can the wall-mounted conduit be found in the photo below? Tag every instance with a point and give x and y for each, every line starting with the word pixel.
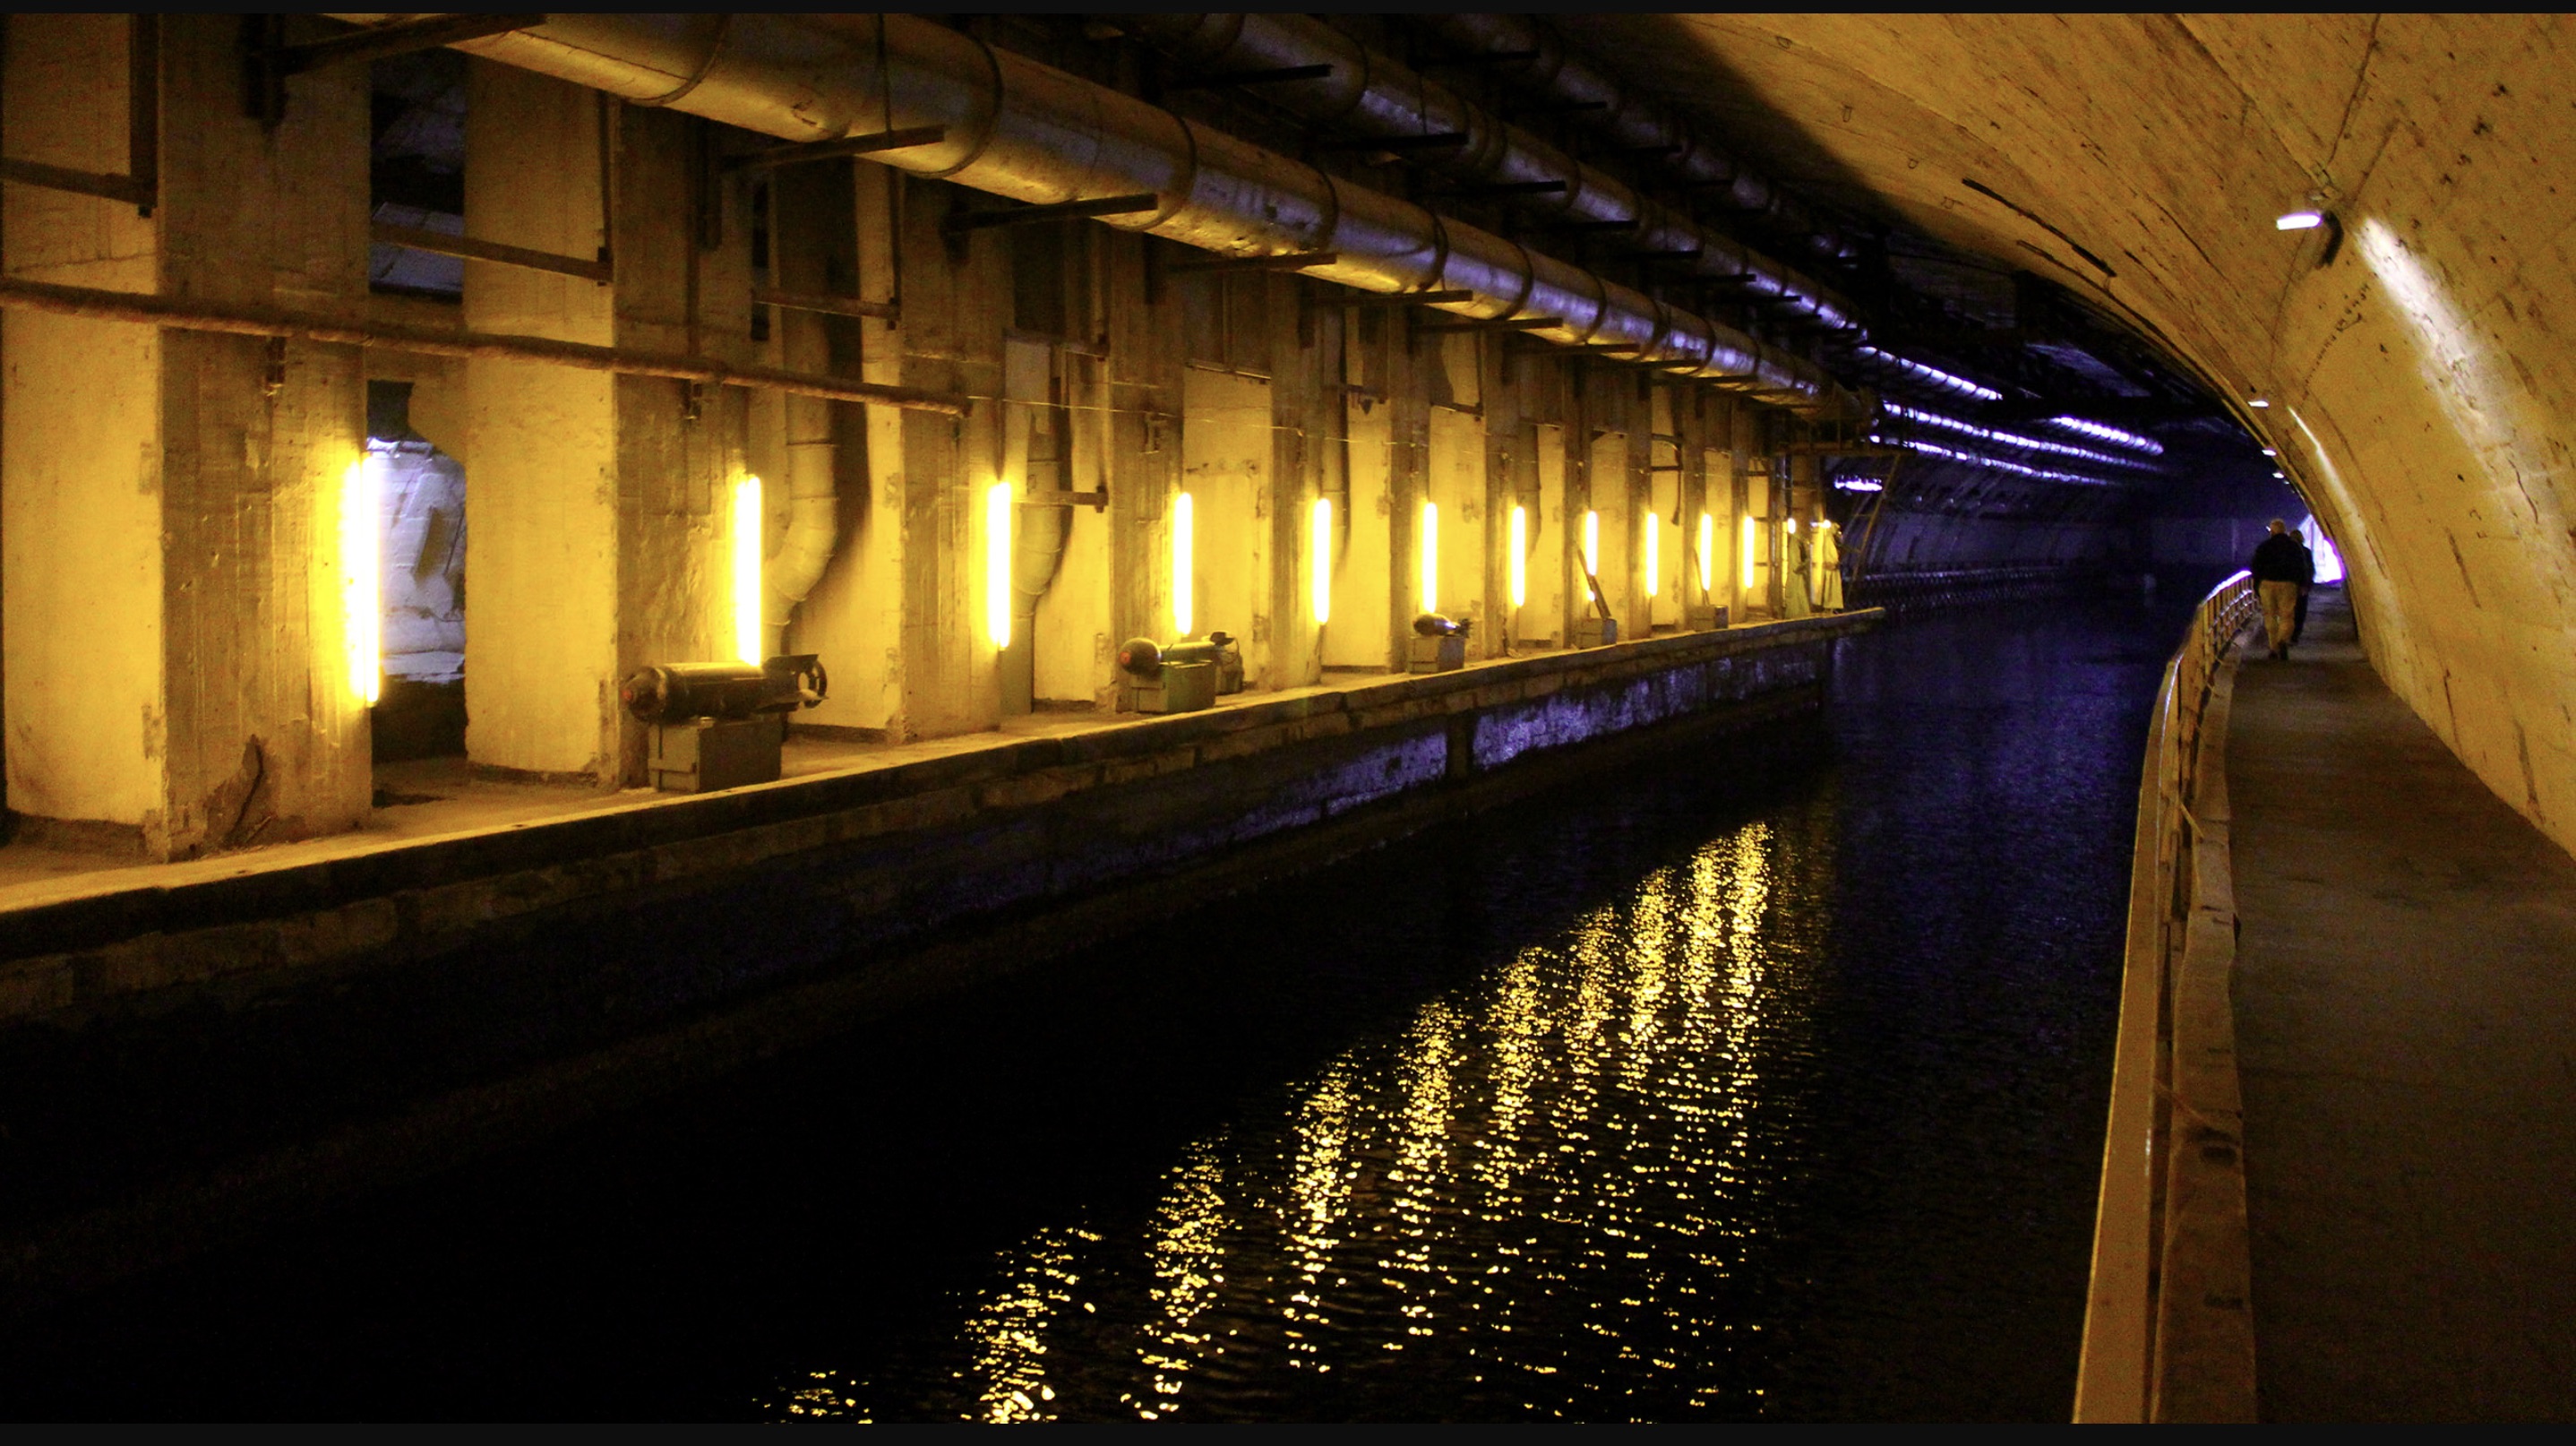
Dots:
pixel 188 315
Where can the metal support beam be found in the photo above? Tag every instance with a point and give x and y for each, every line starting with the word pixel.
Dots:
pixel 866 145
pixel 1526 323
pixel 958 221
pixel 378 42
pixel 413 237
pixel 140 186
pixel 1414 298
pixel 828 305
pixel 1296 261
pixel 1271 76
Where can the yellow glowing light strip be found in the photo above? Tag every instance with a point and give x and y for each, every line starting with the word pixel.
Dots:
pixel 1654 549
pixel 1752 550
pixel 746 571
pixel 1430 557
pixel 1707 556
pixel 1592 544
pixel 1520 557
pixel 361 604
pixel 1181 565
pixel 1323 551
pixel 998 510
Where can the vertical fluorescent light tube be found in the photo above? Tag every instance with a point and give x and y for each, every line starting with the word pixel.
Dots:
pixel 1752 552
pixel 1707 557
pixel 1431 557
pixel 361 600
pixel 1181 618
pixel 1519 571
pixel 746 571
pixel 998 510
pixel 1322 549
pixel 1654 554
pixel 1592 543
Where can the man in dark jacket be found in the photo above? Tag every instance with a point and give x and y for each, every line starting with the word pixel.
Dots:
pixel 2283 567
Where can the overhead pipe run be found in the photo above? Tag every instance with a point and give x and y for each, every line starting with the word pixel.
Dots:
pixel 190 315
pixel 1525 48
pixel 1368 94
pixel 1022 130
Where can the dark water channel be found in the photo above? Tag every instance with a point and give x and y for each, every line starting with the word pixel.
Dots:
pixel 1766 1081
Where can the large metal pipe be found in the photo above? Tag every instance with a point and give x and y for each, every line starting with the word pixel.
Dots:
pixel 1026 131
pixel 1368 94
pixel 1551 67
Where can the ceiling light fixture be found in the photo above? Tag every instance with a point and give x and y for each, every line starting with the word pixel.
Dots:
pixel 2312 214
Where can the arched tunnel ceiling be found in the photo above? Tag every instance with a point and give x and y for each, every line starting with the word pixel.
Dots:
pixel 2418 381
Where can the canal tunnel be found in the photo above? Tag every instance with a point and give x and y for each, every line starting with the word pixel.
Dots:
pixel 1459 405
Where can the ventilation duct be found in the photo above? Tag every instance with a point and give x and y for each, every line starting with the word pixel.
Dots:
pixel 1634 123
pixel 1368 94
pixel 1022 130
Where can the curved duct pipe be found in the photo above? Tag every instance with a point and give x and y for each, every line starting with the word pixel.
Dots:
pixel 813 514
pixel 1037 552
pixel 813 484
pixel 1636 123
pixel 1023 130
pixel 1371 95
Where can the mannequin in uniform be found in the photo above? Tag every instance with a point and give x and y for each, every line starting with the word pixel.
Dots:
pixel 1825 567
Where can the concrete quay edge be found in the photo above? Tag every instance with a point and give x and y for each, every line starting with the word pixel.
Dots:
pixel 243 914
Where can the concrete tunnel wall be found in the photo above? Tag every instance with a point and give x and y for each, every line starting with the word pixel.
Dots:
pixel 2419 384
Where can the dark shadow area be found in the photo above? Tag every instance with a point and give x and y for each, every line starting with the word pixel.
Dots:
pixel 1897 937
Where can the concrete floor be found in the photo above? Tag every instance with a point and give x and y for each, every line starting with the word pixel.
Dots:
pixel 2405 989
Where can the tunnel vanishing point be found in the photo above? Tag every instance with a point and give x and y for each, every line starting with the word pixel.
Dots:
pixel 1452 402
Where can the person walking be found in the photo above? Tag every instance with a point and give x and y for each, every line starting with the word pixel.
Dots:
pixel 2283 567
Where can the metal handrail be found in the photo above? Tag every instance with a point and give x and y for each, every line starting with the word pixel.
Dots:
pixel 2114 1381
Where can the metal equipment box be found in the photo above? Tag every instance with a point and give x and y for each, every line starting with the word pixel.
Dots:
pixel 1594 632
pixel 1446 653
pixel 1703 617
pixel 1176 688
pixel 705 754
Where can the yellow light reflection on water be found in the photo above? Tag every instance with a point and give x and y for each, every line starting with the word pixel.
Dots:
pixel 1570 1145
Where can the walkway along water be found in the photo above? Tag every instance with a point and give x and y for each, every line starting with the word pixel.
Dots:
pixel 1761 1079
pixel 2405 982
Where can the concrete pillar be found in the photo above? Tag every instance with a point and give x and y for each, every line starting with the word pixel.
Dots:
pixel 682 251
pixel 1143 323
pixel 854 616
pixel 177 675
pixel 957 301
pixel 1361 631
pixel 598 508
pixel 541 494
